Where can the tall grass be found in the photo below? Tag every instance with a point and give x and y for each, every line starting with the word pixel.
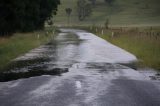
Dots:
pixel 20 43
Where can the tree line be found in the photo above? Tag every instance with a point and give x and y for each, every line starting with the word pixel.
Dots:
pixel 25 15
pixel 85 7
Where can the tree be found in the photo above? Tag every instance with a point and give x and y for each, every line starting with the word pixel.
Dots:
pixel 84 9
pixel 88 9
pixel 7 17
pixel 81 9
pixel 93 2
pixel 109 1
pixel 25 15
pixel 68 11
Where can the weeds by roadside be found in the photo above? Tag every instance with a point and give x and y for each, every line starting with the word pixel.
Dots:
pixel 142 42
pixel 20 43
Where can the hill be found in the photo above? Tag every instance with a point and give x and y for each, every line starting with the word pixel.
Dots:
pixel 119 13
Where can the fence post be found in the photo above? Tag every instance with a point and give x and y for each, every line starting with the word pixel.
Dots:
pixel 38 36
pixel 102 32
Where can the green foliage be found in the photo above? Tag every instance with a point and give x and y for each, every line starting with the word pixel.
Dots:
pixel 25 15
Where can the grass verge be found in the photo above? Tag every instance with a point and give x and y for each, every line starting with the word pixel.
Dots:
pixel 144 45
pixel 20 43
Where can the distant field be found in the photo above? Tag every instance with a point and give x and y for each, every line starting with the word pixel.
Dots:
pixel 120 13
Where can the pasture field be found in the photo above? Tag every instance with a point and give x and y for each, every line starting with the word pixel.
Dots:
pixel 120 13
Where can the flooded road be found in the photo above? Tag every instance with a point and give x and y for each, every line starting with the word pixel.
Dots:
pixel 77 68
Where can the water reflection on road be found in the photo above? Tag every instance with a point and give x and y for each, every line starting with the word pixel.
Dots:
pixel 89 73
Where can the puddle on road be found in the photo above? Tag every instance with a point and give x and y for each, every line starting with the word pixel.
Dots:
pixel 55 58
pixel 132 65
pixel 150 73
pixel 101 66
pixel 49 59
pixel 9 76
pixel 29 68
pixel 40 66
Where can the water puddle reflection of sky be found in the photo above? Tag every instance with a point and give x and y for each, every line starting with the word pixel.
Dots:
pixel 71 49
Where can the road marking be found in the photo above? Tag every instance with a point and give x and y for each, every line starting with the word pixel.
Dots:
pixel 78 85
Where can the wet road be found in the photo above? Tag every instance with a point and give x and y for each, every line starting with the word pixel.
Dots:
pixel 77 69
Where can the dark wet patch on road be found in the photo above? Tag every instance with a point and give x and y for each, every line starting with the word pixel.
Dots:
pixel 155 77
pixel 132 65
pixel 29 68
pixel 45 66
pixel 150 73
pixel 23 63
pixel 41 66
pixel 9 76
pixel 105 66
pixel 99 66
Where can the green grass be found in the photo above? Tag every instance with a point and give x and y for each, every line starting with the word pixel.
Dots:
pixel 20 43
pixel 145 47
pixel 120 13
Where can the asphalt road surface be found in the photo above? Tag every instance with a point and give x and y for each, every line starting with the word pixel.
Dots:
pixel 91 72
